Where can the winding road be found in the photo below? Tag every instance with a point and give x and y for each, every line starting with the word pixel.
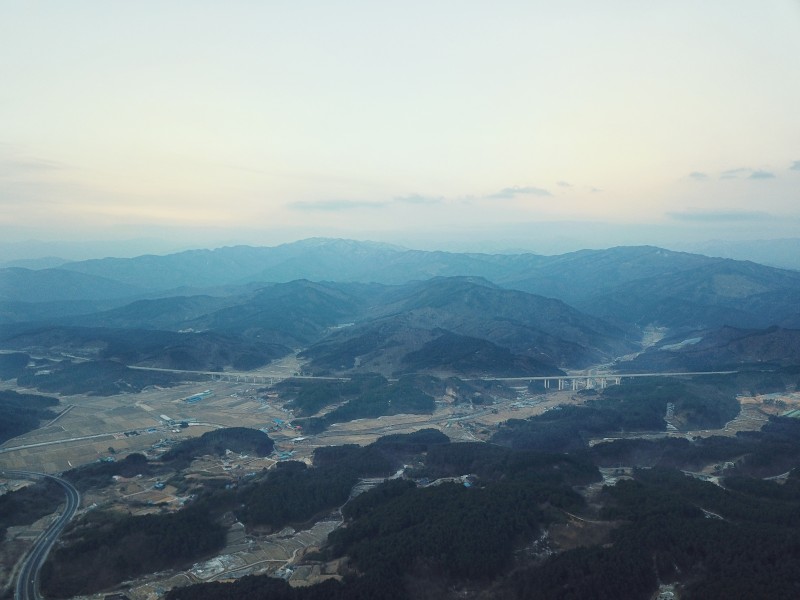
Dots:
pixel 27 587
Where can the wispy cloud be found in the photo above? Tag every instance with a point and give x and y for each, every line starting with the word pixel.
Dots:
pixel 335 205
pixel 20 167
pixel 419 199
pixel 744 172
pixel 735 173
pixel 795 166
pixel 713 216
pixel 565 184
pixel 35 181
pixel 698 176
pixel 345 205
pixel 513 192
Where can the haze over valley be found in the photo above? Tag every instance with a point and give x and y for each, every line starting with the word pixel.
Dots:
pixel 411 301
pixel 333 360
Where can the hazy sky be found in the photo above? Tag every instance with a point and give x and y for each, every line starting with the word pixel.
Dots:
pixel 369 119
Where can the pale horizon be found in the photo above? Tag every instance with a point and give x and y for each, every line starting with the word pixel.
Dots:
pixel 517 125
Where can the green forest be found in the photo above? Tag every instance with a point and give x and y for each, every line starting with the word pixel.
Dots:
pixel 20 413
pixel 635 406
pixel 736 540
pixel 241 440
pixel 28 504
pixel 98 378
pixel 376 399
pixel 474 517
pixel 115 547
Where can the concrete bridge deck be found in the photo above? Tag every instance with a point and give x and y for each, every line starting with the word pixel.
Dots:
pixel 573 381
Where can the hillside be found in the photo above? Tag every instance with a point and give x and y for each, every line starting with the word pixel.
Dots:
pixel 415 324
pixel 721 349
pixel 158 313
pixel 385 309
pixel 20 413
pixel 724 292
pixel 56 311
pixel 315 259
pixel 295 313
pixel 631 286
pixel 457 325
pixel 348 260
pixel 463 355
pixel 26 285
pixel 206 351
pixel 580 276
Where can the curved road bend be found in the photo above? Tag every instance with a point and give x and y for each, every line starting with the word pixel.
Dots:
pixel 27 587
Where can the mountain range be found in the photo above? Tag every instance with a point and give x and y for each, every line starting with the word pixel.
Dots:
pixel 363 306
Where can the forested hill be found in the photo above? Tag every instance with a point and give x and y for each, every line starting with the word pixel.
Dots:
pixel 388 310
pixel 726 348
pixel 646 527
pixel 236 439
pixel 20 413
pixel 347 260
pixel 628 285
pixel 452 325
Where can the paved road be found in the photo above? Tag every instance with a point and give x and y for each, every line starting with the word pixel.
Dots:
pixel 609 375
pixel 95 436
pixel 62 441
pixel 28 579
pixel 591 373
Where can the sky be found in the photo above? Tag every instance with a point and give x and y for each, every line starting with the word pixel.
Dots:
pixel 458 123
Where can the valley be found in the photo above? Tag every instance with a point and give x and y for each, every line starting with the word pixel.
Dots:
pixel 400 301
pixel 111 428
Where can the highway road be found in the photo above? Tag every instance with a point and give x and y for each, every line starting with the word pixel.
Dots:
pixel 27 587
pixel 94 436
pixel 608 375
pixel 591 374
